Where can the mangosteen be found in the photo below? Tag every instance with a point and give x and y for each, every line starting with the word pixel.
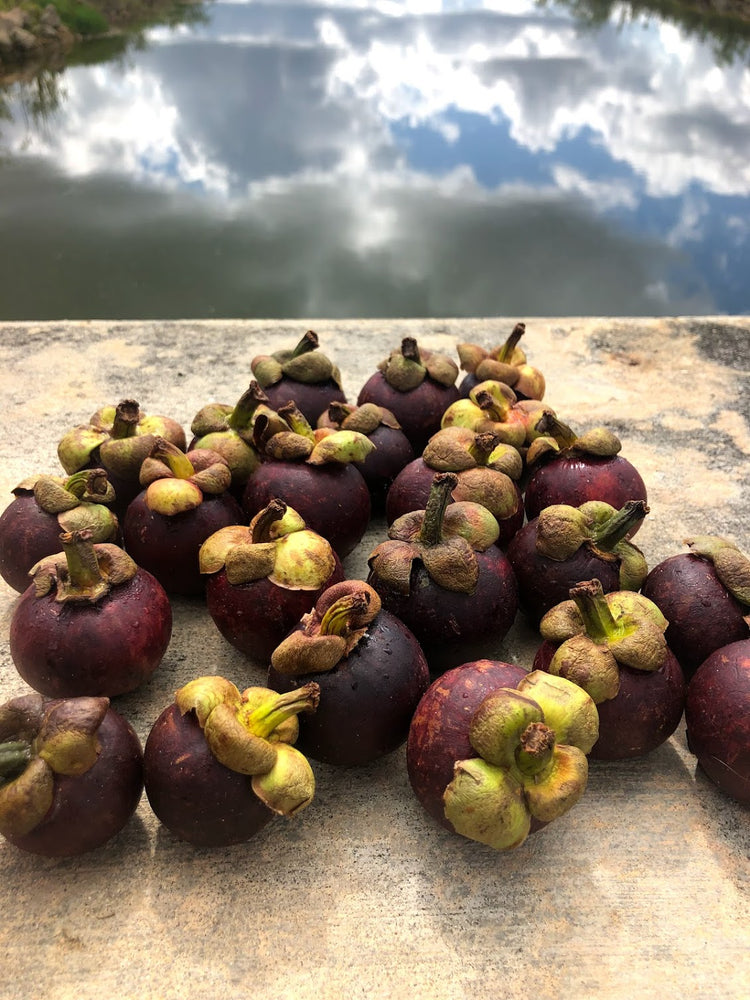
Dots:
pixel 613 646
pixel 417 386
pixel 370 669
pixel 705 596
pixel 71 774
pixel 501 769
pixel 219 764
pixel 441 573
pixel 91 623
pixel 185 500
pixel 261 579
pixel 485 467
pixel 45 506
pixel 507 364
pixel 302 375
pixel 492 407
pixel 565 544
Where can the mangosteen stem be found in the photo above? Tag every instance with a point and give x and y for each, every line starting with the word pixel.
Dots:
pixel 296 420
pixel 14 756
pixel 496 409
pixel 338 412
pixel 242 415
pixel 535 749
pixel 127 415
pixel 270 515
pixel 410 350
pixel 443 484
pixel 549 424
pixel 85 580
pixel 177 461
pixel 308 343
pixel 598 620
pixel 279 708
pixel 482 447
pixel 606 535
pixel 506 351
pixel 337 619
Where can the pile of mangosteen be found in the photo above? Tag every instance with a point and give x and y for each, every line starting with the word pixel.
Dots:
pixel 495 507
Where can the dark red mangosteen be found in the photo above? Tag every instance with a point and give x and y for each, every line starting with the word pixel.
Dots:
pixel 705 596
pixel 117 438
pixel 613 646
pixel 417 386
pixel 92 622
pixel 71 774
pixel 315 474
pixel 391 451
pixel 485 468
pixel 507 364
pixel 550 554
pixel 495 756
pixel 441 573
pixel 370 669
pixel 261 579
pixel 44 507
pixel 303 376
pixel 570 469
pixel 717 713
pixel 219 764
pixel 186 499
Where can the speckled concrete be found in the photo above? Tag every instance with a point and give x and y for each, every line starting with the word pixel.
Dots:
pixel 641 889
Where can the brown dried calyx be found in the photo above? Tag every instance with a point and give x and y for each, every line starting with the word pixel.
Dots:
pixel 365 418
pixel 456 448
pixel 554 435
pixel 303 363
pixel 506 363
pixel 328 633
pixel 731 565
pixel 407 367
pixel 84 570
pixel 300 443
pixel 444 538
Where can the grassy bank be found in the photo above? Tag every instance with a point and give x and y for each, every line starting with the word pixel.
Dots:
pixel 98 17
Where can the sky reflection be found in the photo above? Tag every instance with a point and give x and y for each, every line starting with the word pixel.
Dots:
pixel 387 159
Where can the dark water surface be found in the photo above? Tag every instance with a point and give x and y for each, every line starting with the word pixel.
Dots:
pixel 381 159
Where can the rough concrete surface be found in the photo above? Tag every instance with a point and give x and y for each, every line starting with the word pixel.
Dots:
pixel 643 888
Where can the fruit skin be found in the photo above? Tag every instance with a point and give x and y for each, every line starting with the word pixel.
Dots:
pixel 419 411
pixel 576 478
pixel 392 453
pixel 643 714
pixel 543 583
pixel 167 546
pixel 367 700
pixel 192 794
pixel 439 731
pixel 107 648
pixel 332 499
pixel 89 809
pixel 717 714
pixel 27 534
pixel 254 617
pixel 310 399
pixel 702 614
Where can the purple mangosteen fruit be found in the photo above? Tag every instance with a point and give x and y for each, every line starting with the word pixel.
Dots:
pixel 185 500
pixel 71 774
pixel 485 467
pixel 44 507
pixel 613 646
pixel 507 364
pixel 315 474
pixel 91 623
pixel 302 375
pixel 565 544
pixel 417 386
pixel 705 596
pixel 441 573
pixel 261 579
pixel 496 759
pixel 717 714
pixel 117 439
pixel 219 764
pixel 370 669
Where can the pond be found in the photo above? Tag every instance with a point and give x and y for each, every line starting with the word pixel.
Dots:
pixel 347 158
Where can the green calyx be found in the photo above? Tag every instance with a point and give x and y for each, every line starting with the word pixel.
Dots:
pixel 491 408
pixel 303 363
pixel 444 538
pixel 407 367
pixel 552 435
pixel 252 732
pixel 176 482
pixel 531 743
pixel 600 632
pixel 41 738
pixel 276 545
pixel 328 633
pixel 78 502
pixel 365 418
pixel 84 570
pixel 731 565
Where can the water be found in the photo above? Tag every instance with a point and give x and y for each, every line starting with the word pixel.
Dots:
pixel 408 158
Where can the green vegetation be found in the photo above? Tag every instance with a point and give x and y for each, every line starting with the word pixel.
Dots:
pixel 97 17
pixel 81 18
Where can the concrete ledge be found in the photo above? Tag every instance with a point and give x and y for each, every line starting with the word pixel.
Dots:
pixel 641 889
